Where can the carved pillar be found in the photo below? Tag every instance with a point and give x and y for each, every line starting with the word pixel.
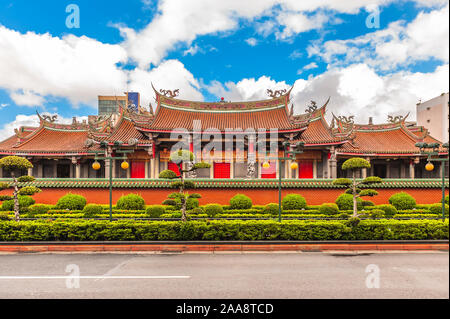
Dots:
pixel 333 163
pixel 315 168
pixel 76 162
pixel 211 170
pixel 364 170
pixel 388 169
pixel 411 169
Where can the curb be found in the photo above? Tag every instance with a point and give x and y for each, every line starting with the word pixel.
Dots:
pixel 220 247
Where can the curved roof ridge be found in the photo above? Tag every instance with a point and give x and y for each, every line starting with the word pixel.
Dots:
pixel 283 99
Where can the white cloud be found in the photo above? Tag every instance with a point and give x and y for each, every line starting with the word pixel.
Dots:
pixel 32 121
pixel 78 68
pixel 180 21
pixel 170 75
pixel 355 90
pixel 192 50
pixel 251 41
pixel 310 66
pixel 246 89
pixel 400 44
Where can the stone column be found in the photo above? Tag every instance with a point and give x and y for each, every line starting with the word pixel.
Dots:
pixel 152 168
pixel 333 163
pixel 364 170
pixel 411 169
pixel 211 170
pixel 388 169
pixel 231 168
pixel 315 168
pixel 1 172
pixel 30 172
pixel 55 169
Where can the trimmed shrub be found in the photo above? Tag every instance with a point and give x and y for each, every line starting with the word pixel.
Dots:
pixel 367 203
pixel 437 209
pixel 4 216
pixel 24 203
pixel 191 203
pixel 92 210
pixel 155 211
pixel 271 209
pixel 196 211
pixel 240 201
pixel 131 202
pixel 29 190
pixel 5 198
pixel 402 200
pixel 71 202
pixel 389 210
pixel 376 213
pixel 167 174
pixel 130 230
pixel 446 199
pixel 329 209
pixel 345 202
pixel 170 202
pixel 38 209
pixel 293 201
pixel 213 209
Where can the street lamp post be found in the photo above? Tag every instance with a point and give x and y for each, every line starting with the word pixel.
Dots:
pixel 124 165
pixel 289 155
pixel 431 150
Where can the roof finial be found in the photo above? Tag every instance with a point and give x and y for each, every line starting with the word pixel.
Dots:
pixel 276 93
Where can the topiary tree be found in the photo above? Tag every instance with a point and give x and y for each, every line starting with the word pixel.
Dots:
pixel 179 158
pixel 12 164
pixel 355 164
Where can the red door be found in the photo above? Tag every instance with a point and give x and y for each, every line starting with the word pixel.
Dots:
pixel 137 169
pixel 174 167
pixel 270 172
pixel 221 170
pixel 305 169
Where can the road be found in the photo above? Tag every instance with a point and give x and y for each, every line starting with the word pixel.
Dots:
pixel 227 275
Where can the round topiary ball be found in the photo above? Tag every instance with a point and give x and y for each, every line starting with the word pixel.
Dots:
pixel 71 202
pixel 92 210
pixel 345 202
pixel 131 202
pixel 389 210
pixel 271 209
pixel 437 209
pixel 213 209
pixel 240 201
pixel 155 211
pixel 402 201
pixel 329 209
pixel 293 201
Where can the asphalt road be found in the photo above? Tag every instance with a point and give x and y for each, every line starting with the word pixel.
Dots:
pixel 222 276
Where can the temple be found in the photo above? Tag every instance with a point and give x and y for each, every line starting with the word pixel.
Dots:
pixel 67 150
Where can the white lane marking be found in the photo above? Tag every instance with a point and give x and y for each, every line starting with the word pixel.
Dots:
pixel 95 277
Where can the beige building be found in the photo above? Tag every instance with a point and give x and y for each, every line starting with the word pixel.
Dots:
pixel 433 115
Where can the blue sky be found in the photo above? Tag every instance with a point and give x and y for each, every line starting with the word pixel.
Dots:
pixel 212 49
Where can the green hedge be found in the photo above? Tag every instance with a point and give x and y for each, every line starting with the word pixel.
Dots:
pixel 221 230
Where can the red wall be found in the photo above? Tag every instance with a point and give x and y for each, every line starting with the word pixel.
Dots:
pixel 261 196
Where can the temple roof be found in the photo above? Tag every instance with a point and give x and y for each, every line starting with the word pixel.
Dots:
pixel 173 113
